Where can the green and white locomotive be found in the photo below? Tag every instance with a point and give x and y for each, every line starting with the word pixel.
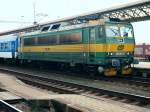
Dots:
pixel 102 45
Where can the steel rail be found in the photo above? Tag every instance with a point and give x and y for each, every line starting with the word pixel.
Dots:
pixel 129 80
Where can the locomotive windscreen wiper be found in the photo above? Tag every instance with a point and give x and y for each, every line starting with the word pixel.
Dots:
pixel 116 32
pixel 126 31
pixel 112 31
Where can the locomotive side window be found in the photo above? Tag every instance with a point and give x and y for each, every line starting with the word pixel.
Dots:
pixel 42 40
pixel 76 38
pixel 70 38
pixel 53 39
pixel 47 40
pixel 64 38
pixel 29 41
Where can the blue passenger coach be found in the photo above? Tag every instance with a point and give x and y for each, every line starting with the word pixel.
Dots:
pixel 8 46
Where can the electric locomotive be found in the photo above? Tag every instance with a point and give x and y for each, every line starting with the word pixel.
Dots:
pixel 101 45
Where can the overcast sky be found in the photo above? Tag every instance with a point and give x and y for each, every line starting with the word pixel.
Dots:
pixel 13 11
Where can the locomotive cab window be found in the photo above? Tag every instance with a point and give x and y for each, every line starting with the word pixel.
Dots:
pixel 126 31
pixel 112 31
pixel 120 30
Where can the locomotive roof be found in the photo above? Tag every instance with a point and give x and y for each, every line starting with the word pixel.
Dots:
pixel 5 38
pixel 67 27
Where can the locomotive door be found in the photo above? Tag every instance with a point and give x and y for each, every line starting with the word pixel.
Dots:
pixel 92 42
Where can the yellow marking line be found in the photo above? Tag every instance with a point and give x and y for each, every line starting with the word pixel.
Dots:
pixel 78 48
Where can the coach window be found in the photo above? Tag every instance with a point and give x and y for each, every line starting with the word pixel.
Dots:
pixel 2 46
pixel 6 45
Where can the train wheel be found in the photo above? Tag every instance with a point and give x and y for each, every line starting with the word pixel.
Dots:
pixel 127 71
pixel 110 72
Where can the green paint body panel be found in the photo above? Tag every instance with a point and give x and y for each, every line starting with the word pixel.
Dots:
pixel 83 58
pixel 60 57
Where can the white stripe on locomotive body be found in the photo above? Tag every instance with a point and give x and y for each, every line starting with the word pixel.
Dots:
pixel 7 55
pixel 6 38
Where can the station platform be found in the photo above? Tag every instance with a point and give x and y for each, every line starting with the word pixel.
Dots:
pixel 142 65
pixel 8 96
pixel 86 104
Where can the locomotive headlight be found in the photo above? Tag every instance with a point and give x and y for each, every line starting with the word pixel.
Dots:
pixel 128 53
pixel 110 54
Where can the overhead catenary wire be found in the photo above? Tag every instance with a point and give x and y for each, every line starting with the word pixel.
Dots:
pixel 6 21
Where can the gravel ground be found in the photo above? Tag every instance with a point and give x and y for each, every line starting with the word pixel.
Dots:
pixel 21 89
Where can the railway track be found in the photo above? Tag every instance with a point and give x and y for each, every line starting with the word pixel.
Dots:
pixel 74 88
pixel 137 82
pixel 130 80
pixel 134 81
pixel 142 82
